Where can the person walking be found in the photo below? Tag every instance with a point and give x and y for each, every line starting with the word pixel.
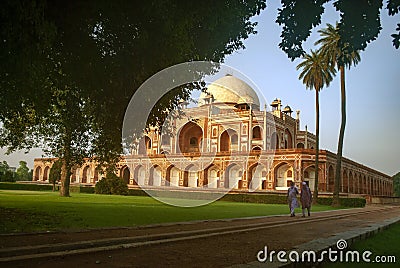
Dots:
pixel 292 198
pixel 305 198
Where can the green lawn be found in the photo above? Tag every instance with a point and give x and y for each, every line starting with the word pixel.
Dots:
pixel 385 243
pixel 27 211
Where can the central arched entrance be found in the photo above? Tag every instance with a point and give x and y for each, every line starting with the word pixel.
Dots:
pixel 190 137
pixel 228 141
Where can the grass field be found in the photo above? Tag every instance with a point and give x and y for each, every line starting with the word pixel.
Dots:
pixel 385 243
pixel 27 211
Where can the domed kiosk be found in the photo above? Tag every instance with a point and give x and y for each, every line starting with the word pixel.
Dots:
pixel 231 91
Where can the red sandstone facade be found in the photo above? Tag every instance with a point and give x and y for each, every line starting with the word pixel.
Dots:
pixel 227 142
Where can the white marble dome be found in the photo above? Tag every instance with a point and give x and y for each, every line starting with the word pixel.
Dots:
pixel 230 90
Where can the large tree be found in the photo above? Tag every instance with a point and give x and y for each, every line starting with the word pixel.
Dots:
pixel 5 173
pixel 22 172
pixel 336 54
pixel 316 73
pixel 69 68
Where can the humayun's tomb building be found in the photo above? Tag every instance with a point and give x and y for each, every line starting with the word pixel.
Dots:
pixel 228 142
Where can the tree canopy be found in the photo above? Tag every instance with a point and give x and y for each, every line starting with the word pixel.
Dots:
pixel 69 68
pixel 5 173
pixel 359 23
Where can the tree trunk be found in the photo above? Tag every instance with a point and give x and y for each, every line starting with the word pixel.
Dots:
pixel 66 168
pixel 338 174
pixel 64 189
pixel 315 199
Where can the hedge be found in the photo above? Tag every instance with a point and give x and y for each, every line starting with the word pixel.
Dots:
pixel 81 189
pixel 42 187
pixel 344 202
pixel 267 198
pixel 281 199
pixel 255 198
pixel 25 186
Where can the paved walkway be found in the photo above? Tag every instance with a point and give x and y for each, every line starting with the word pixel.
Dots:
pixel 342 240
pixel 236 248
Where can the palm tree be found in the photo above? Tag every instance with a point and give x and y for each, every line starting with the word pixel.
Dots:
pixel 316 73
pixel 338 55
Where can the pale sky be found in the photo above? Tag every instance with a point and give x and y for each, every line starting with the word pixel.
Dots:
pixel 373 91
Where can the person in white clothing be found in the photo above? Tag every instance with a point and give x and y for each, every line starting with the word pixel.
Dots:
pixel 292 198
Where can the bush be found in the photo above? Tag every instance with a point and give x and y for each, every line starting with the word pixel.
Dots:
pixel 111 184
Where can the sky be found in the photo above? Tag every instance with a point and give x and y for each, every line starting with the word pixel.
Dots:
pixel 373 92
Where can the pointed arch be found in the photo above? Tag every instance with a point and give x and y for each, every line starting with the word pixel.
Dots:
pixel 190 176
pixel 211 176
pixel 300 145
pixel 345 181
pixel 38 173
pixel 46 173
pixel 283 174
pixel 331 179
pixel 139 175
pixel 173 175
pixel 125 174
pixel 351 182
pixel 155 176
pixel 274 141
pixel 189 138
pixel 257 177
pixel 228 141
pixel 145 145
pixel 257 133
pixel 85 174
pixel 309 177
pixel 233 175
pixel 288 139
